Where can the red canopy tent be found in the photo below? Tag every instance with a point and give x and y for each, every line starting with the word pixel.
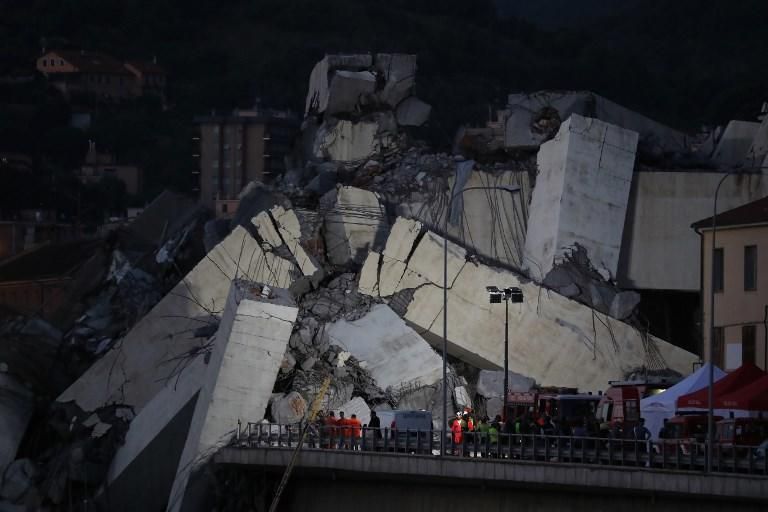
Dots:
pixel 753 397
pixel 743 376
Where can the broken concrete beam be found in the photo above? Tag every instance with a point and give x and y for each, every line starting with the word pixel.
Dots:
pixel 355 224
pixel 239 378
pixel 319 78
pixel 556 341
pixel 154 442
pixel 581 195
pixel 399 73
pixel 491 223
pixel 413 112
pixel 735 143
pixel 349 90
pixel 290 231
pixel 491 383
pixel 348 141
pixel 133 371
pixel 394 354
pixel 532 119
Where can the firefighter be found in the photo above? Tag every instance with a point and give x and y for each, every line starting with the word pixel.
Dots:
pixel 355 431
pixel 330 429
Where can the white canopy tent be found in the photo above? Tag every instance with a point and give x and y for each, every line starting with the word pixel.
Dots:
pixel 654 409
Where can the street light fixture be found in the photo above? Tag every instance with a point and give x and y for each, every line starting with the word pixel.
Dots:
pixel 504 188
pixel 515 296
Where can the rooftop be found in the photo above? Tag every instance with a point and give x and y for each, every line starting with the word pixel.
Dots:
pixel 91 62
pixel 755 212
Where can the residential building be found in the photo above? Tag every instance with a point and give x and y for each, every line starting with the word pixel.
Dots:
pixel 238 148
pixel 81 72
pixel 741 284
pixel 100 165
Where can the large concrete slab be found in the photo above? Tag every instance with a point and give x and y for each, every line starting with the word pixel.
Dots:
pixel 662 207
pixel 239 378
pixel 734 144
pixel 581 194
pixel 355 223
pixel 394 354
pixel 524 108
pixel 552 339
pixel 490 222
pixel 134 371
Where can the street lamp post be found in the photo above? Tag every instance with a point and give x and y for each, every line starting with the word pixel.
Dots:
pixel 515 295
pixel 509 189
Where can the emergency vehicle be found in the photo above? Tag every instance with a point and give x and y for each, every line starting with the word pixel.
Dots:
pixel 566 405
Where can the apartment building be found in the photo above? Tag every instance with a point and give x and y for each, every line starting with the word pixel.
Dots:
pixel 740 284
pixel 240 147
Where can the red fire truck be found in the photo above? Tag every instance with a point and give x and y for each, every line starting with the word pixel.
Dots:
pixel 566 405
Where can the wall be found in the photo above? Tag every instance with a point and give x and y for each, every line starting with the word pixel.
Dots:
pixel 735 307
pixel 660 251
pixel 38 297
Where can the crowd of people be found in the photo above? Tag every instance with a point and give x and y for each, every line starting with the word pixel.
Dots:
pixel 341 432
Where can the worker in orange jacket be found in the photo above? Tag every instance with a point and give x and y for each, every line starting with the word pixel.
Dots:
pixel 345 431
pixel 356 431
pixel 330 429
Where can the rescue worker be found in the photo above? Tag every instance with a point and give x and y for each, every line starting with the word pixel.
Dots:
pixel 356 431
pixel 375 425
pixel 483 438
pixel 458 435
pixel 493 434
pixel 344 431
pixel 330 429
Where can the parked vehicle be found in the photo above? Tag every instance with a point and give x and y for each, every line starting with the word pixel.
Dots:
pixel 566 405
pixel 619 408
pixel 407 429
pixel 742 431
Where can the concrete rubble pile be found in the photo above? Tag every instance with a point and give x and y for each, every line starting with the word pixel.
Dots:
pixel 356 103
pixel 335 271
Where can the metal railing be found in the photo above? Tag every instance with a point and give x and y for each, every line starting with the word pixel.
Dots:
pixel 670 454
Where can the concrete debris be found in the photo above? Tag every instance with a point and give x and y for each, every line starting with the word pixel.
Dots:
pixel 251 341
pixel 289 362
pixel 354 105
pixel 349 91
pixel 586 170
pixel 531 119
pixel 288 409
pixel 17 480
pixel 413 112
pixel 355 223
pixel 461 397
pixel 396 355
pixel 735 143
pixel 399 73
pixel 163 335
pixel 623 304
pixel 599 348
pixel 490 384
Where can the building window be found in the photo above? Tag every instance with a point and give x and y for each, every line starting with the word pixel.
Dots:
pixel 718 347
pixel 61 62
pixel 45 63
pixel 747 344
pixel 224 208
pixel 750 267
pixel 215 164
pixel 719 262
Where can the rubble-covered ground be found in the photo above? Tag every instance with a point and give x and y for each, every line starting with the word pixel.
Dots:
pixel 332 271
